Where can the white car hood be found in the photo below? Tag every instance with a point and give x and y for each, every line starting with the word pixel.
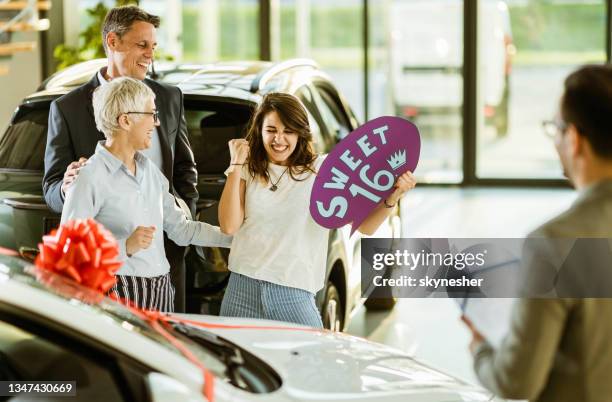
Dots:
pixel 321 365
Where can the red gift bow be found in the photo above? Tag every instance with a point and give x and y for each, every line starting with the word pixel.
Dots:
pixel 82 250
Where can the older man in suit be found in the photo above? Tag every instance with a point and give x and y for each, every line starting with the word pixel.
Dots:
pixel 561 349
pixel 129 38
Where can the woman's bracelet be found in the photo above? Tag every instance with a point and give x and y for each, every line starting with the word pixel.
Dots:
pixel 387 204
pixel 236 164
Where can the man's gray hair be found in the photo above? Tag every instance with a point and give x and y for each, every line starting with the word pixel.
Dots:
pixel 117 97
pixel 120 19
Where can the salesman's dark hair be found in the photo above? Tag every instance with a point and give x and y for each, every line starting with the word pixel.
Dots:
pixel 587 104
pixel 120 19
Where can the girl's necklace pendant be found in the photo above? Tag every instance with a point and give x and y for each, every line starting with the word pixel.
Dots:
pixel 274 186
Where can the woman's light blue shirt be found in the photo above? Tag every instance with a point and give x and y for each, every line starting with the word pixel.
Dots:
pixel 107 191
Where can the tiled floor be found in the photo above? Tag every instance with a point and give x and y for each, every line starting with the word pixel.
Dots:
pixel 430 328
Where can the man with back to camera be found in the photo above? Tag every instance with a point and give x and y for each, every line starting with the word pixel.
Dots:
pixel 560 349
pixel 129 39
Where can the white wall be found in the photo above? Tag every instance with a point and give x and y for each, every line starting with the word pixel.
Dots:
pixel 23 78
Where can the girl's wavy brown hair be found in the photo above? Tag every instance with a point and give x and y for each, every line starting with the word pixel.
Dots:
pixel 293 115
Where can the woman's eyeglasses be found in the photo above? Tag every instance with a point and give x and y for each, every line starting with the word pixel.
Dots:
pixel 155 115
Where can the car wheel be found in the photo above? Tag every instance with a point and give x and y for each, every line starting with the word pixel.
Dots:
pixel 382 299
pixel 332 312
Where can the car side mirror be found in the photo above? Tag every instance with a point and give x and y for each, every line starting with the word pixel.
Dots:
pixel 165 389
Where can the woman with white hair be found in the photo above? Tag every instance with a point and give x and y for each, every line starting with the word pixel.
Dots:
pixel 122 189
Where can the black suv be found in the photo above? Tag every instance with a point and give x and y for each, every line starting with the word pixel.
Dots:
pixel 219 100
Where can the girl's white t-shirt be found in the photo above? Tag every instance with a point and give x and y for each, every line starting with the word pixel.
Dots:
pixel 278 241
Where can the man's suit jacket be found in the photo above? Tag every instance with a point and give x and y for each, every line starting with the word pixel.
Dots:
pixel 558 349
pixel 72 134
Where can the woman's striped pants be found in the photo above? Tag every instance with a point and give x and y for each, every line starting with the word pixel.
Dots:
pixel 156 293
pixel 253 298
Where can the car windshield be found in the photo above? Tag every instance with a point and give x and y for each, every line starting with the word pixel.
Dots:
pixel 95 303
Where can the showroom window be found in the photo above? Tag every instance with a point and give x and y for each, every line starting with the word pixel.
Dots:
pixel 190 31
pixel 215 30
pixel 476 77
pixel 526 49
pixel 329 32
pixel 415 59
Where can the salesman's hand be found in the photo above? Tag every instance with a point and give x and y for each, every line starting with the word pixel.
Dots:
pixel 72 171
pixel 239 150
pixel 477 337
pixel 140 239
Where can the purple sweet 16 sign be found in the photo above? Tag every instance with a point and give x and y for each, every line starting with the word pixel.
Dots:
pixel 359 173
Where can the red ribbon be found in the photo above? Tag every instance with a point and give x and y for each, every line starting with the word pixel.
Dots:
pixel 82 250
pixel 233 326
pixel 159 322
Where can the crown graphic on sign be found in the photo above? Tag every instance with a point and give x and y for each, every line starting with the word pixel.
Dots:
pixel 397 160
